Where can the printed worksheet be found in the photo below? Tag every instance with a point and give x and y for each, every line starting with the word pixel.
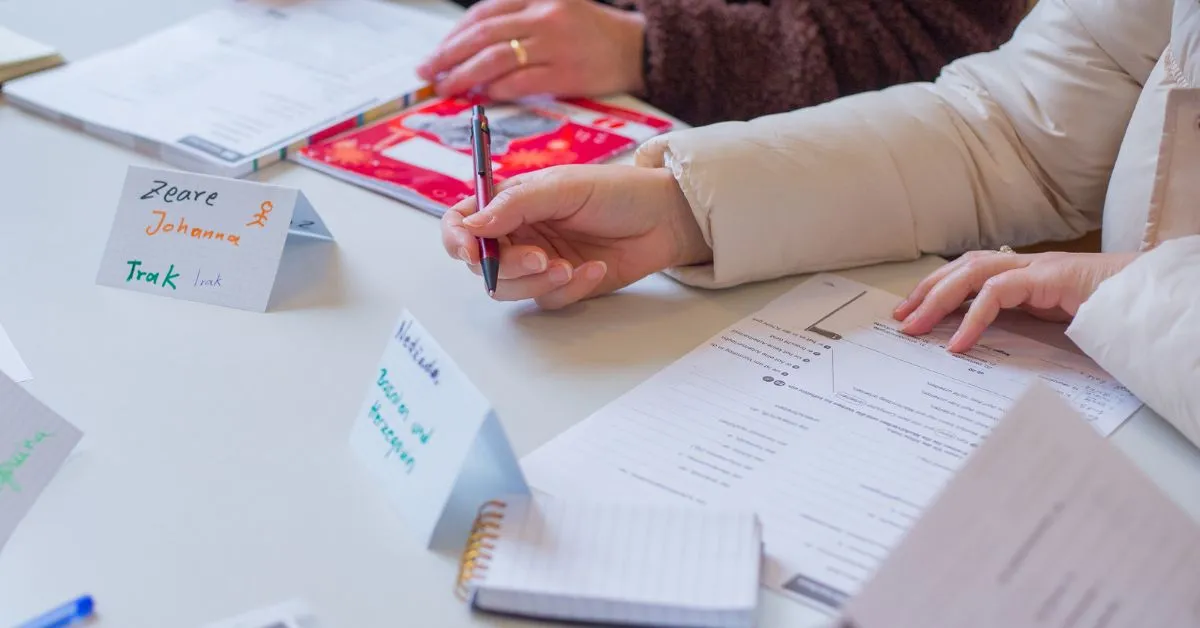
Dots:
pixel 821 416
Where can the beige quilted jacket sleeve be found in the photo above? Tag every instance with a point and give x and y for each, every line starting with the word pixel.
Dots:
pixel 1011 147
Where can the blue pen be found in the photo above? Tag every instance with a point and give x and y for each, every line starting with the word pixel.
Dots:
pixel 66 615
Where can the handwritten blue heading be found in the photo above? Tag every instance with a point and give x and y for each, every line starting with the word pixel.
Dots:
pixel 415 350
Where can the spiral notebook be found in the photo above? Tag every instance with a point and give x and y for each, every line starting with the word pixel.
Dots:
pixel 595 562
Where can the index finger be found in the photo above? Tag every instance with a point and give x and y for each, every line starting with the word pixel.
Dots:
pixel 476 14
pixel 551 194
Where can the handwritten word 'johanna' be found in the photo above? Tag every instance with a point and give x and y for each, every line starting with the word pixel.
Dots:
pixel 395 445
pixel 176 195
pixel 185 230
pixel 8 468
pixel 413 344
pixel 392 395
pixel 260 219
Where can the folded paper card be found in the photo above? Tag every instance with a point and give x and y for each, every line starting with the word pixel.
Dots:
pixel 294 613
pixel 11 363
pixel 1046 526
pixel 34 442
pixel 432 439
pixel 203 238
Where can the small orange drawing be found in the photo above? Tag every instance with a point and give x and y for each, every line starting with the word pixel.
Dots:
pixel 260 219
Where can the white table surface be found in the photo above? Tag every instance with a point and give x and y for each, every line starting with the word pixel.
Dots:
pixel 215 476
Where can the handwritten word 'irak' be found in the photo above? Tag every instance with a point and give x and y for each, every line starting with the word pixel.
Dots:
pixel 177 195
pixel 8 468
pixel 184 229
pixel 167 280
pixel 260 219
pixel 394 396
pixel 413 345
pixel 395 445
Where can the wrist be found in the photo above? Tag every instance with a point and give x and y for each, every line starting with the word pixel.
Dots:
pixel 690 247
pixel 631 61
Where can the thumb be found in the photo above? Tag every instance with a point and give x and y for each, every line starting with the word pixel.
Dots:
pixel 549 194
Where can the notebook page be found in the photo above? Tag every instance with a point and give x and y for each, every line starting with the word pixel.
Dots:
pixel 572 558
pixel 1047 526
pixel 820 416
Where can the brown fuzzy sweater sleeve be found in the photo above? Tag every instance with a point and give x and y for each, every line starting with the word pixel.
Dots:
pixel 713 60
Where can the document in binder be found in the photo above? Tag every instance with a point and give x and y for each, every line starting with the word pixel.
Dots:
pixel 433 442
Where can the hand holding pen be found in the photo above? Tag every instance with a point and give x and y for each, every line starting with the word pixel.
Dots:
pixel 485 186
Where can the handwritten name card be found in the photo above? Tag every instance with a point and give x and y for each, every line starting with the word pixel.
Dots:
pixel 202 238
pixel 432 439
pixel 34 442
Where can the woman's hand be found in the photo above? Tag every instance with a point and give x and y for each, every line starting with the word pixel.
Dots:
pixel 572 48
pixel 1048 285
pixel 573 232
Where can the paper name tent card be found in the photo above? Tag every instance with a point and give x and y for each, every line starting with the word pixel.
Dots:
pixel 34 443
pixel 233 89
pixel 433 442
pixel 295 613
pixel 11 363
pixel 821 416
pixel 1046 526
pixel 202 238
pixel 644 564
pixel 422 156
pixel 20 55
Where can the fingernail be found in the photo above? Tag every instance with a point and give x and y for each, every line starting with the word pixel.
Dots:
pixel 477 220
pixel 560 274
pixel 462 253
pixel 903 304
pixel 594 271
pixel 954 339
pixel 912 316
pixel 533 261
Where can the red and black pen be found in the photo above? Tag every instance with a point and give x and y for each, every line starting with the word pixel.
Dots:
pixel 481 151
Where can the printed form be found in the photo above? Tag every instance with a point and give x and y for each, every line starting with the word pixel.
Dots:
pixel 821 416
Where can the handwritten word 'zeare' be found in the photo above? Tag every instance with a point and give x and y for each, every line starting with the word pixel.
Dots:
pixel 176 195
pixel 185 230
pixel 260 219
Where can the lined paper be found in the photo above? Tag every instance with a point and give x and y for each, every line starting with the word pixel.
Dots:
pixel 1047 526
pixel 620 562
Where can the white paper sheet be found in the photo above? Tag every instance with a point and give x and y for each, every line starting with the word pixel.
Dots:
pixel 817 413
pixel 241 82
pixel 11 363
pixel 1047 526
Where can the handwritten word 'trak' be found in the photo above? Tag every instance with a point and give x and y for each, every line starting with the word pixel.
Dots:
pixel 260 219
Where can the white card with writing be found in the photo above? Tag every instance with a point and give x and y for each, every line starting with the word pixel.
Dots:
pixel 203 238
pixel 295 613
pixel 432 438
pixel 34 443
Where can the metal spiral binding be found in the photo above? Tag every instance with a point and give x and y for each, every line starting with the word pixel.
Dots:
pixel 478 552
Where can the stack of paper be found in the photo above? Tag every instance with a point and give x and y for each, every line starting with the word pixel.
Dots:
pixel 232 89
pixel 20 55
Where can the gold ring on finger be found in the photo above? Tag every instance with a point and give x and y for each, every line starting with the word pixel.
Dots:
pixel 519 50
